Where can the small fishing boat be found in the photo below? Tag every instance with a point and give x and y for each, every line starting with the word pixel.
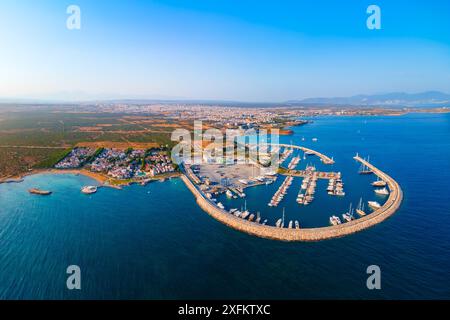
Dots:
pixel 39 192
pixel 347 217
pixel 278 223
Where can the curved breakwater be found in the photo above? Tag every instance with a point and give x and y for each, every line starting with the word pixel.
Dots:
pixel 308 234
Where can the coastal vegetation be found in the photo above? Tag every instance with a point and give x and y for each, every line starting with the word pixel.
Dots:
pixel 15 161
pixel 53 159
pixel 37 136
pixel 40 137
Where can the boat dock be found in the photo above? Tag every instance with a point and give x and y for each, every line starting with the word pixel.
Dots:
pixel 309 185
pixel 306 173
pixel 293 163
pixel 324 158
pixel 305 234
pixel 281 192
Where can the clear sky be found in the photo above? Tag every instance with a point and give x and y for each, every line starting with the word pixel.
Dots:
pixel 271 50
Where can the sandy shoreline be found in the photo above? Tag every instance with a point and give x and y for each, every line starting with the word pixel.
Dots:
pixel 102 179
pixel 96 176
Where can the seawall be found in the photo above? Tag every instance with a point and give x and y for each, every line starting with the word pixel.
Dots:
pixel 308 234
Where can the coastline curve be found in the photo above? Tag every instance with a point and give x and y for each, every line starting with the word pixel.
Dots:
pixel 391 205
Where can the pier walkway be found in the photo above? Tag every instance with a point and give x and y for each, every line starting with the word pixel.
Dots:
pixel 325 159
pixel 305 173
pixel 310 234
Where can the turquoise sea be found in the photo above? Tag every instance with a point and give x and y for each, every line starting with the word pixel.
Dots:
pixel 154 242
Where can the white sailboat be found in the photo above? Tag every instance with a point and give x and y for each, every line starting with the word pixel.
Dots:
pixel 365 169
pixel 348 216
pixel 360 208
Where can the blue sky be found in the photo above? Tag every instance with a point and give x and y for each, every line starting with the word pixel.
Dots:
pixel 222 49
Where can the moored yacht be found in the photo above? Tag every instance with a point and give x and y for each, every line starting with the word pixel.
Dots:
pixel 278 223
pixel 245 214
pixel 382 192
pixel 39 192
pixel 89 189
pixel 374 205
pixel 365 169
pixel 360 208
pixel 379 183
pixel 348 216
pixel 334 220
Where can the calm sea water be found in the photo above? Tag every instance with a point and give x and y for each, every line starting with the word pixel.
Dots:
pixel 154 242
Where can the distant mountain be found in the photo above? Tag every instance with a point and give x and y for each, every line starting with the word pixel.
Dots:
pixel 429 99
pixel 394 99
